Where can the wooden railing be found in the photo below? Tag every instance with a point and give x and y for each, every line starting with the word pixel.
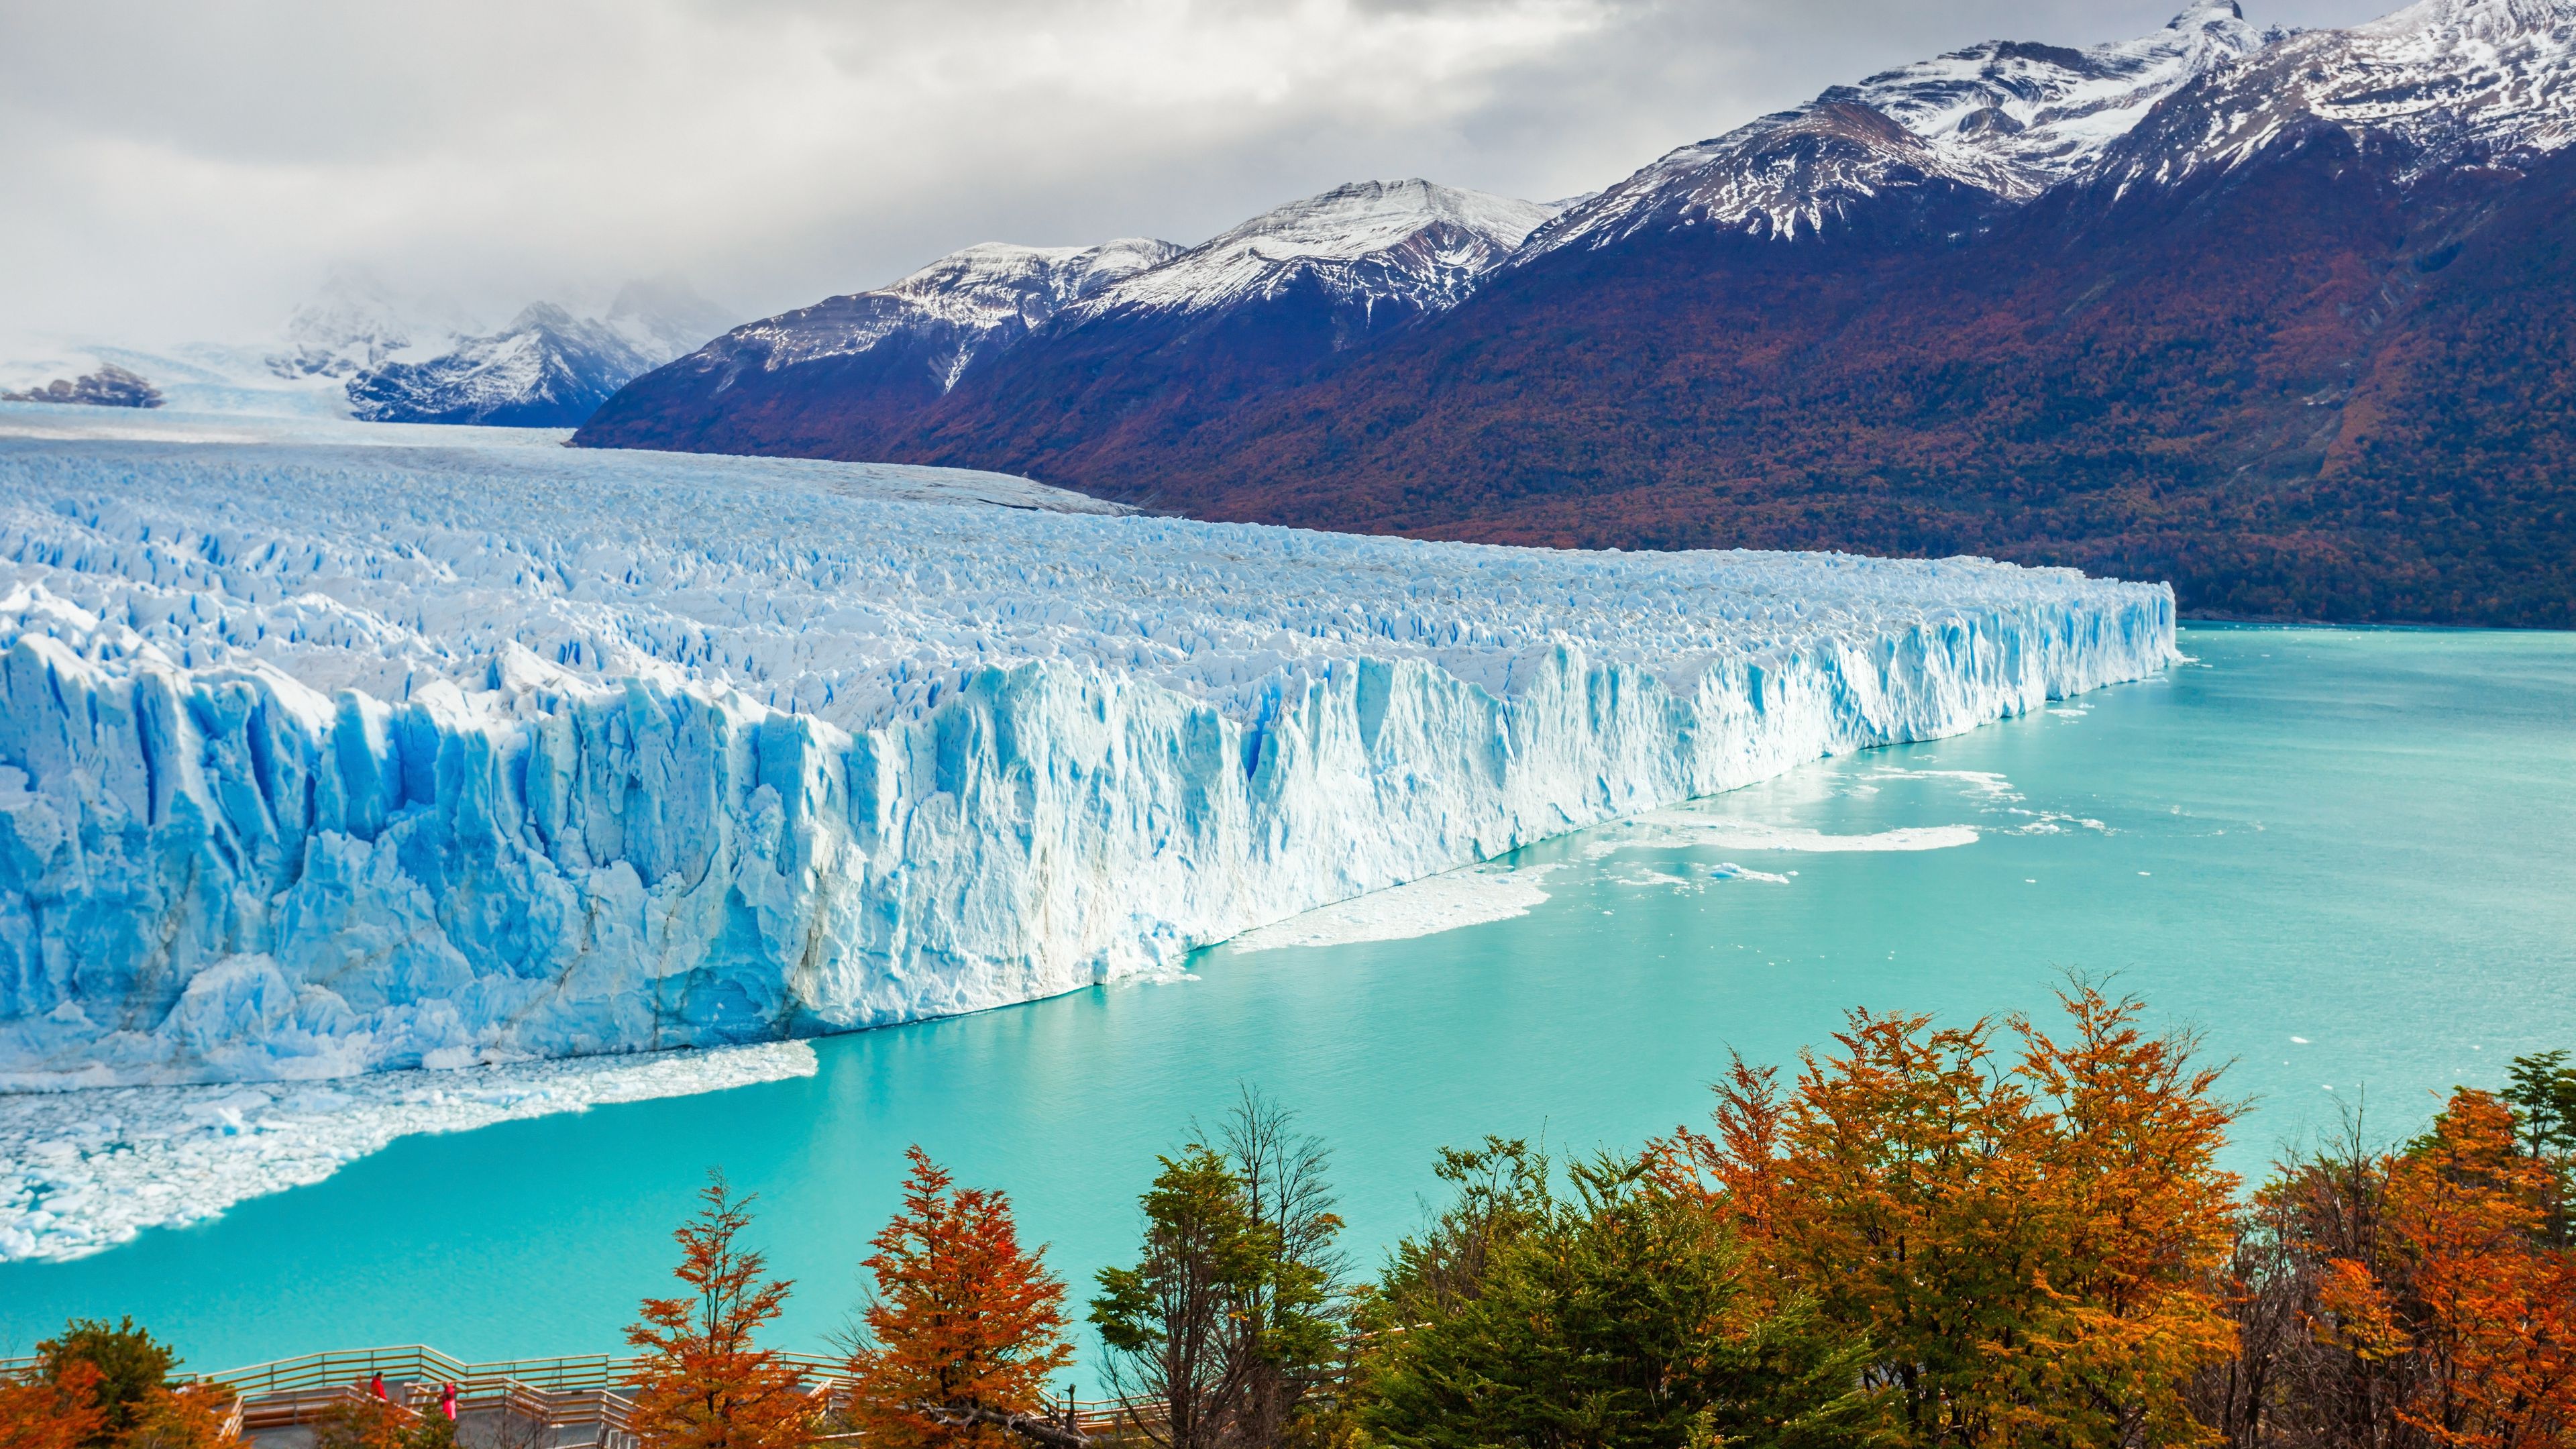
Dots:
pixel 593 1391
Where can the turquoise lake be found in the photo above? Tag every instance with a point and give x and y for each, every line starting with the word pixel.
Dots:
pixel 2344 856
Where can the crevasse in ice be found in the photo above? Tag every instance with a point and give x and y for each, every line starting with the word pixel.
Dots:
pixel 318 758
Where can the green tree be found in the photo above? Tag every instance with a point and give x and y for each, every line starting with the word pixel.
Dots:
pixel 1500 1192
pixel 2543 1094
pixel 1297 1309
pixel 1616 1318
pixel 1176 1326
pixel 132 1369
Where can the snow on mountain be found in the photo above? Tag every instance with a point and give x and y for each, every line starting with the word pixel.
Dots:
pixel 947 317
pixel 2006 119
pixel 2445 83
pixel 319 758
pixel 356 322
pixel 547 368
pixel 1412 243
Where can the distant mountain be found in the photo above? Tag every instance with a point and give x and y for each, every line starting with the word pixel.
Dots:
pixel 109 387
pixel 1932 146
pixel 1079 336
pixel 2289 319
pixel 1379 251
pixel 884 355
pixel 356 322
pixel 547 368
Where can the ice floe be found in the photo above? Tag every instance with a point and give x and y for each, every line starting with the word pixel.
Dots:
pixel 81 1171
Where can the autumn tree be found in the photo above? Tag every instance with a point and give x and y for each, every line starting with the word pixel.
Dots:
pixel 52 1411
pixel 107 1386
pixel 704 1383
pixel 965 1327
pixel 2028 1238
pixel 2493 1302
pixel 197 1417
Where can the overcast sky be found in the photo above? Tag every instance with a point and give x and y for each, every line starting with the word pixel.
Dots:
pixel 181 170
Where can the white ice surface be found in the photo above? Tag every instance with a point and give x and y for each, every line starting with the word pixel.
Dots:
pixel 1425 907
pixel 333 750
pixel 83 1171
pixel 1699 830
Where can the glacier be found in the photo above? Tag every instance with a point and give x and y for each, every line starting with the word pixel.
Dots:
pixel 327 749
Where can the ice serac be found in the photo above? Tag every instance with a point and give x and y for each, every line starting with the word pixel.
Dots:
pixel 320 759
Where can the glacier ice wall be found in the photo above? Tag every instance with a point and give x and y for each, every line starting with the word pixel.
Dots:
pixel 319 758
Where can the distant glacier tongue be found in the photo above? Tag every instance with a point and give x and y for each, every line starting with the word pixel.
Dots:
pixel 319 758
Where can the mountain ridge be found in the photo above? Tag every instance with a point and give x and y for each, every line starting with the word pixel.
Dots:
pixel 2283 317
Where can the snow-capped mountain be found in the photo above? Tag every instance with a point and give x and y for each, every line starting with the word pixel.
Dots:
pixel 889 354
pixel 947 317
pixel 1412 244
pixel 547 368
pixel 2437 86
pixel 1284 288
pixel 356 322
pixel 2285 317
pixel 2003 121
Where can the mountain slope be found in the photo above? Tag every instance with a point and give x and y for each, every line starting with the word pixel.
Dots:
pixel 2286 319
pixel 1999 122
pixel 884 355
pixel 547 368
pixel 2326 376
pixel 1103 328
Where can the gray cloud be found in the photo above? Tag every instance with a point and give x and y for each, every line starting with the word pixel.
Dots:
pixel 180 170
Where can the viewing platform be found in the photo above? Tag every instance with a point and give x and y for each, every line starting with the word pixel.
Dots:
pixel 585 1401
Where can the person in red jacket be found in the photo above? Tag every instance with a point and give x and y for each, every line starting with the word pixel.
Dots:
pixel 447 1402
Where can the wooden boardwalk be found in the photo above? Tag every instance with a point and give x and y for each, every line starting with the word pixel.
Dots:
pixel 582 1400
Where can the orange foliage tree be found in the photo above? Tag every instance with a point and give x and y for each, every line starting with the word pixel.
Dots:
pixel 60 1413
pixel 2029 1243
pixel 705 1385
pixel 965 1328
pixel 105 1386
pixel 2452 1311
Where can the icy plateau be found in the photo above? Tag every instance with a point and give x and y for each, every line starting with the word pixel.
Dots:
pixel 322 756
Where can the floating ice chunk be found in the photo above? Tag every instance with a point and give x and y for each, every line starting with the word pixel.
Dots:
pixel 82 1171
pixel 1424 907
pixel 1691 830
pixel 1729 870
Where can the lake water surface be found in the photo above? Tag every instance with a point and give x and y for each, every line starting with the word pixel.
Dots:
pixel 2344 856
